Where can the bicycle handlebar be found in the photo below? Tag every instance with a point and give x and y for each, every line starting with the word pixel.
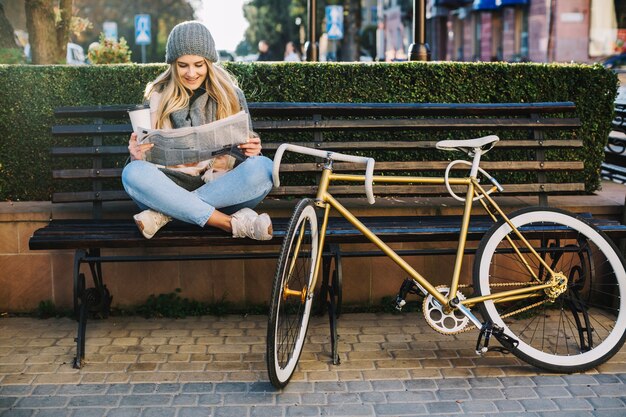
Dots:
pixel 335 156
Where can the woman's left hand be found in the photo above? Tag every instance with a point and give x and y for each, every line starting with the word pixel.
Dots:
pixel 252 147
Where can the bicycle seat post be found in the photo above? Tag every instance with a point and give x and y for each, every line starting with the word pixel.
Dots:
pixel 477 153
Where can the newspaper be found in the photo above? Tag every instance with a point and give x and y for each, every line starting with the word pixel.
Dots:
pixel 189 145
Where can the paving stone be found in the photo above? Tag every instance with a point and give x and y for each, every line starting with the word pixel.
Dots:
pixel 14 412
pixel 90 412
pixel 372 397
pixel 15 390
pixel 578 413
pixel 264 386
pixel 343 398
pixel 82 389
pixel 231 387
pixel 313 398
pixel 452 394
pixel 94 401
pixel 267 411
pixel 607 379
pixel 209 399
pixel 540 404
pixel 478 407
pixel 41 402
pixel 248 399
pixel 45 389
pixel 418 384
pixel 410 396
pixel 580 379
pixel 330 386
pixel 305 410
pixel 552 392
pixel 198 387
pixel 543 380
pixel 508 406
pixel 485 383
pixel 572 404
pixel 8 402
pixel 452 383
pixel 580 391
pixel 608 413
pixel 144 388
pixel 609 390
pixel 158 412
pixel 605 402
pixel 145 400
pixel 485 393
pixel 124 412
pixel 517 381
pixel 441 407
pixel 119 389
pixel 399 409
pixel 185 399
pixel 518 393
pixel 359 386
pixel 194 412
pixel 348 410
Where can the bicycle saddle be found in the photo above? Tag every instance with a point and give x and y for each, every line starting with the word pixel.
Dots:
pixel 484 144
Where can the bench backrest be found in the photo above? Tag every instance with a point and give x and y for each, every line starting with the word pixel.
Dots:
pixel 400 136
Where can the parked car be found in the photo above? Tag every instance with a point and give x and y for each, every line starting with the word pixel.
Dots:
pixel 226 56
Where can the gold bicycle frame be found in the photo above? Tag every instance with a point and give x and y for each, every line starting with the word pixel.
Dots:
pixel 325 200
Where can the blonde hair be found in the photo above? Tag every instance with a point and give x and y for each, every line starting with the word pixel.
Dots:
pixel 220 86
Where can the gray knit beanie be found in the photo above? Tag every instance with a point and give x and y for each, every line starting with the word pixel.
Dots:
pixel 190 38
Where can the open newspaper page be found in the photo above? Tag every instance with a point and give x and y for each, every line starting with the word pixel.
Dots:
pixel 189 145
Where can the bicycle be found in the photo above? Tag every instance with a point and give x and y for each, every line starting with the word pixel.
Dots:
pixel 550 287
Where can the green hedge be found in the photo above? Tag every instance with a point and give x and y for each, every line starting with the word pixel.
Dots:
pixel 30 93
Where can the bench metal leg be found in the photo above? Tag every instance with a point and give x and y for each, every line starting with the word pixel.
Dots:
pixel 96 299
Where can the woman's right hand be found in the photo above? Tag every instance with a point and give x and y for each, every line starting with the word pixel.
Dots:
pixel 137 150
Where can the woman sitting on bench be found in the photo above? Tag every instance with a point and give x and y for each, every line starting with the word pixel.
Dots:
pixel 194 91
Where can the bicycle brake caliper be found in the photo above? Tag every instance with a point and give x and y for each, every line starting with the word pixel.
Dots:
pixel 489 329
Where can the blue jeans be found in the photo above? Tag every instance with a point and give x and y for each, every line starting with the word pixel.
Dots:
pixel 244 186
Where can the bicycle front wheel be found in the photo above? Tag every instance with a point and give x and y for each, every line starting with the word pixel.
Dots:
pixel 292 294
pixel 579 326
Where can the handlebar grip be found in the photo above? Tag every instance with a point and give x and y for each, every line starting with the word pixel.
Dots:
pixel 369 162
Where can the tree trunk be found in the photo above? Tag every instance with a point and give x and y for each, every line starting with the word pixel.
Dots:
pixel 7 38
pixel 351 43
pixel 41 31
pixel 63 29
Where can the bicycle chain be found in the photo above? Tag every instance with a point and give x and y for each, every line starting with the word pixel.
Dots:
pixel 512 313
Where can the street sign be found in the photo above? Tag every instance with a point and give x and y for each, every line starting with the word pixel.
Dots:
pixel 110 30
pixel 334 22
pixel 142 29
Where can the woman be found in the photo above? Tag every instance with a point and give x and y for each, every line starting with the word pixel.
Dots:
pixel 290 53
pixel 194 91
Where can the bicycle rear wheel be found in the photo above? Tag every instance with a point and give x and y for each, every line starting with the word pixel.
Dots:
pixel 580 326
pixel 292 294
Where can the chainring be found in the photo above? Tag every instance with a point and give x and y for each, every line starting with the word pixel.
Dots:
pixel 444 323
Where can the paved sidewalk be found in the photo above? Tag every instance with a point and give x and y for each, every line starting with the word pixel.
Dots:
pixel 392 365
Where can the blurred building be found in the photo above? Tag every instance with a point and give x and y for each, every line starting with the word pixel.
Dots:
pixel 500 30
pixel 520 30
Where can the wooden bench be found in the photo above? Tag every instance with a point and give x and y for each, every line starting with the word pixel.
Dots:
pixel 614 165
pixel 400 136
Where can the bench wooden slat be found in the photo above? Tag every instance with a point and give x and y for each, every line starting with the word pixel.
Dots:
pixel 91 130
pixel 346 146
pixel 86 173
pixel 441 165
pixel 406 124
pixel 342 167
pixel 369 109
pixel 396 144
pixel 85 196
pixel 89 150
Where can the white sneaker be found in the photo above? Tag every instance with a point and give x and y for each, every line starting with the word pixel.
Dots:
pixel 247 223
pixel 149 222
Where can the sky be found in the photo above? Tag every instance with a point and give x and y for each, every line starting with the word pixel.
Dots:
pixel 225 20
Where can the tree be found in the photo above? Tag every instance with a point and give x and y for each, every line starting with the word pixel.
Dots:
pixel 7 38
pixel 164 15
pixel 48 31
pixel 351 42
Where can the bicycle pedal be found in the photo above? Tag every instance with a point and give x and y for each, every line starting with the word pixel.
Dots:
pixel 489 329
